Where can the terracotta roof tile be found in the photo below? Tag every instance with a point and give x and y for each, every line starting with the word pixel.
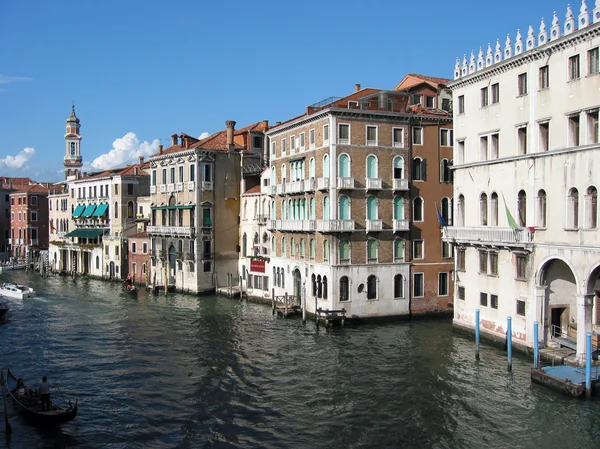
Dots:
pixel 414 79
pixel 138 235
pixel 255 189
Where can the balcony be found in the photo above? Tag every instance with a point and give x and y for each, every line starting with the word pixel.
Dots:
pixel 262 218
pixel 152 189
pixel 274 225
pixel 295 187
pixel 179 186
pixel 335 225
pixel 163 188
pixel 400 185
pixel 207 185
pixel 309 185
pixel 170 187
pixel 271 190
pixel 345 183
pixel 280 189
pixel 171 231
pixel 401 224
pixel 322 183
pixel 374 183
pixel 191 185
pixel 34 242
pixel 492 235
pixel 374 225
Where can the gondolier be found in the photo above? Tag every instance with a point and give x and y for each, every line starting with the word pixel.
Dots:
pixel 44 390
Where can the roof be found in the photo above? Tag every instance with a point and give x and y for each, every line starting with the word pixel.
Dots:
pixel 36 188
pixel 255 189
pixel 414 79
pixel 138 235
pixel 128 170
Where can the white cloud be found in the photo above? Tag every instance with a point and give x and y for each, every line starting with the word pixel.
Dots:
pixel 11 79
pixel 19 161
pixel 125 150
pixel 204 135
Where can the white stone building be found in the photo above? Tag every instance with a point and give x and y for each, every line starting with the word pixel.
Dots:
pixel 526 131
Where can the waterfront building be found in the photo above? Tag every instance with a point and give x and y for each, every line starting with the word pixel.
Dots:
pixel 195 192
pixel 139 244
pixel 60 223
pixel 28 221
pixel 526 181
pixel 8 185
pixel 341 181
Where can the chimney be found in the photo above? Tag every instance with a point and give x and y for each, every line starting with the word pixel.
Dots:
pixel 266 124
pixel 277 123
pixel 141 159
pixel 230 128
pixel 356 87
pixel 174 139
pixel 160 149
pixel 187 142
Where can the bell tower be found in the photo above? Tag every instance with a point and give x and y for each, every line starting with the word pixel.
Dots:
pixel 72 160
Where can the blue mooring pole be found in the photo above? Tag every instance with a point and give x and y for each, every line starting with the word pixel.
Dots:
pixel 536 345
pixel 588 364
pixel 476 334
pixel 509 342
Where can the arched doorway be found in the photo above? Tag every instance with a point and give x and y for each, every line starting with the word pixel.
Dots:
pixel 560 300
pixel 172 265
pixel 111 270
pixel 593 288
pixel 297 283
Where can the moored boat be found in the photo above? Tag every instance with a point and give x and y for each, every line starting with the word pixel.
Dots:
pixel 11 267
pixel 16 290
pixel 28 403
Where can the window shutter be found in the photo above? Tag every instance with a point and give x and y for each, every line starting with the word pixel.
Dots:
pixel 424 169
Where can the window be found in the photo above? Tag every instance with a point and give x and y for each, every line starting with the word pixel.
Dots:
pixel 417 245
pixel 273 148
pixel 371 136
pixel 574 72
pixel 460 151
pixel 325 134
pixel 483 148
pixel 398 137
pixel 398 286
pixel 483 209
pixel 522 139
pixel 461 104
pixel 494 301
pixel 34 201
pixel 443 284
pixel 192 173
pixel 460 211
pixel 483 299
pixel 418 169
pixel 206 217
pixel 326 250
pixel 372 250
pixel 483 261
pixel 461 292
pixel 344 251
pixel 493 264
pixel 429 101
pixel 541 209
pixel 446 104
pixel 520 307
pixel 34 216
pixel 544 77
pixel 398 250
pixel 418 209
pixel 592 126
pixel 344 288
pixel 372 287
pixel 574 130
pixel 283 147
pixel 573 209
pixel 398 167
pixel 446 137
pixel 445 172
pixel 593 61
pixel 493 221
pixel 207 172
pixel 417 135
pixel 145 248
pixel 522 84
pixel 484 97
pixel 446 250
pixel 415 100
pixel 544 136
pixel 292 144
pixel 117 210
pixel 521 266
pixel 344 134
pixel 180 177
pixel 256 142
pixel 591 208
pixel 311 138
pixel 494 145
pixel 522 208
pixel 495 93
pixel 418 285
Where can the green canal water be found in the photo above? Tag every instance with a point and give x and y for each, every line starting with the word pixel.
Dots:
pixel 181 371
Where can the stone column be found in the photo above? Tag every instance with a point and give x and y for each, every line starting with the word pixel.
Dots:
pixel 584 323
pixel 537 311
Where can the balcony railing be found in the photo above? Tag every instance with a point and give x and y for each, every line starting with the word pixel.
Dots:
pixel 374 183
pixel 335 225
pixel 179 186
pixel 280 189
pixel 487 235
pixel 400 184
pixel 176 231
pixel 322 183
pixel 401 224
pixel 272 190
pixel 163 188
pixel 170 187
pixel 34 242
pixel 152 189
pixel 295 187
pixel 345 183
pixel 207 185
pixel 191 185
pixel 374 225
pixel 309 185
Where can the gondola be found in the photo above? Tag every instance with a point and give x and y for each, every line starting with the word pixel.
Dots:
pixel 29 405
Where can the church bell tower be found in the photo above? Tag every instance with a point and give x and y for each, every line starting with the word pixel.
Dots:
pixel 72 160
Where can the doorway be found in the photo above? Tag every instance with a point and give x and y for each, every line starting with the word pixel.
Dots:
pixel 297 283
pixel 559 320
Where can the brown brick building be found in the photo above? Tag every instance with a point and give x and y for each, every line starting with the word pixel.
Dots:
pixel 29 221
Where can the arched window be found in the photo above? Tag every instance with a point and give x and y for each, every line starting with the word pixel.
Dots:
pixel 130 209
pixel 180 249
pixel 326 250
pixel 313 248
pixel 344 166
pixel 398 250
pixel 244 245
pixel 591 207
pixel 522 208
pixel 371 208
pixel 326 173
pixel 283 174
pixel 344 251
pixel 273 245
pixel 275 276
pixel 418 169
pixel 398 286
pixel 494 209
pixel 445 172
pixel 311 168
pixel 326 208
pixel 418 209
pixel 446 211
pixel 273 176
pixel 483 211
pixel 302 249
pixel 97 263
pixel 313 209
pixel 371 166
pixel 372 250
pixel 541 208
pixel 344 212
pixel 278 277
pixel 344 288
pixel 460 211
pixel 324 287
pixel 283 247
pixel 372 287
pixel 273 210
pixel 284 210
pixel 573 209
pixel 398 167
pixel 117 209
pixel 313 283
pixel 282 278
pixel 245 213
pixel 319 287
pixel 292 247
pixel 398 208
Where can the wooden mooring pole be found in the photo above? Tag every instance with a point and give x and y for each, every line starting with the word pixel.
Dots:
pixel 476 334
pixel 7 427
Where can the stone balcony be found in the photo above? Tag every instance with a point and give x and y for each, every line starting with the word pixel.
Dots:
pixel 374 183
pixel 345 182
pixel 401 225
pixel 488 235
pixel 292 225
pixel 171 231
pixel 400 185
pixel 322 183
pixel 335 225
pixel 374 225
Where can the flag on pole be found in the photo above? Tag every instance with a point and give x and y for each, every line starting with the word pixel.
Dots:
pixel 511 221
pixel 440 218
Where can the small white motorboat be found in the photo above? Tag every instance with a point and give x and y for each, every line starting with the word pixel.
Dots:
pixel 11 267
pixel 16 291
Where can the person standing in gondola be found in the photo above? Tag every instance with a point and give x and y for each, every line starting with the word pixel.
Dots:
pixel 44 390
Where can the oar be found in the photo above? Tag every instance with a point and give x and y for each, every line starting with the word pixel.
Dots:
pixel 63 396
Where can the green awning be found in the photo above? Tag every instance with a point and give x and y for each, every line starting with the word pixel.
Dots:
pixel 189 206
pixel 85 233
pixel 158 207
pixel 89 210
pixel 100 210
pixel 78 210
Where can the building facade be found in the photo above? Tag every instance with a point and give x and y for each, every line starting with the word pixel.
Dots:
pixel 526 180
pixel 29 221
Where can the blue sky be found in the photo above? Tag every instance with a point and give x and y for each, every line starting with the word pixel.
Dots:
pixel 139 71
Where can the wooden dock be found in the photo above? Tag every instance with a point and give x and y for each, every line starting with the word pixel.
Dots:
pixel 286 305
pixel 336 316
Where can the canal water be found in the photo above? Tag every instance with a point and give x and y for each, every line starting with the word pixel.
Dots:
pixel 180 371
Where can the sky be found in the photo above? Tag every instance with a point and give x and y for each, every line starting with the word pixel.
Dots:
pixel 139 71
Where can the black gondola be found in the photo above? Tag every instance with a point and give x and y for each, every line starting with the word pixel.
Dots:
pixel 29 405
pixel 4 307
